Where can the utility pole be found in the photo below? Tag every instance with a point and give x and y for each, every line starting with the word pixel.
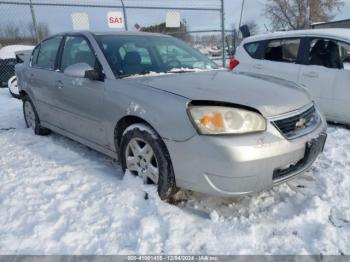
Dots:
pixel 222 11
pixel 241 16
pixel 124 13
pixel 34 22
pixel 308 14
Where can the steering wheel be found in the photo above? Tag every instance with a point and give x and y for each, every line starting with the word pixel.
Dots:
pixel 173 63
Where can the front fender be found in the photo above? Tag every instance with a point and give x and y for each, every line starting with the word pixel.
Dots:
pixel 164 111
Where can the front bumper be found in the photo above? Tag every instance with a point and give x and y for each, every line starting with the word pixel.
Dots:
pixel 240 165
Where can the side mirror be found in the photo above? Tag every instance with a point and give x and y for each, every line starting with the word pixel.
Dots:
pixel 82 70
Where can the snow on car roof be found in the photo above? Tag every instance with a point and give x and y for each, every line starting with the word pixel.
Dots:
pixel 343 34
pixel 8 52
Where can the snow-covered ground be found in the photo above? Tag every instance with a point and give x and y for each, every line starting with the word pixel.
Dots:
pixel 59 197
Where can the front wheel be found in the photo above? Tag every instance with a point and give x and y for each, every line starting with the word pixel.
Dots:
pixel 144 154
pixel 31 117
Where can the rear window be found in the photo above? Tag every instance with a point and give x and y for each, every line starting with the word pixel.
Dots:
pixel 252 49
pixel 282 50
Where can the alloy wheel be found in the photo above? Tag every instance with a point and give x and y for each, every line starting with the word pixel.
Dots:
pixel 141 160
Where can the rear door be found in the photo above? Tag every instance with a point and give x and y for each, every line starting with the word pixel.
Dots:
pixel 318 76
pixel 279 59
pixel 80 100
pixel 40 78
pixel 341 91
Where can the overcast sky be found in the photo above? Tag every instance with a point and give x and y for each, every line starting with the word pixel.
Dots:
pixel 58 18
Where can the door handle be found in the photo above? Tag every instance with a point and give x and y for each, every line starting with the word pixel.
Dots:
pixel 311 74
pixel 258 66
pixel 59 84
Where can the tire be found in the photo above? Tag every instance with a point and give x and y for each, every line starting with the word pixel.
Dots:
pixel 31 117
pixel 13 88
pixel 142 163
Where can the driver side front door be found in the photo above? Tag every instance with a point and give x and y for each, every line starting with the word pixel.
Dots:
pixel 80 100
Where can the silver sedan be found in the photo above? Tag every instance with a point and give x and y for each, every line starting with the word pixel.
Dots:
pixel 169 114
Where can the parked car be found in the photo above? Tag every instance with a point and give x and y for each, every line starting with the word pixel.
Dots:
pixel 177 123
pixel 316 59
pixel 8 61
pixel 215 51
pixel 21 56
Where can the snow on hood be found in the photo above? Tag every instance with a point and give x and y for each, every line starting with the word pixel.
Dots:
pixel 8 52
pixel 170 72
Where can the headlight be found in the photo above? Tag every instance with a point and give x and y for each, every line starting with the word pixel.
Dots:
pixel 214 120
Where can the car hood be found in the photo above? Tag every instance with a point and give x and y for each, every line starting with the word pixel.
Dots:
pixel 270 96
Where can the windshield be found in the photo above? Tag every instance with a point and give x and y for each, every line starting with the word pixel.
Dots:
pixel 137 54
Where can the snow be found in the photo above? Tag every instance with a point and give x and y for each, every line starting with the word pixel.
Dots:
pixel 59 197
pixel 8 52
pixel 172 71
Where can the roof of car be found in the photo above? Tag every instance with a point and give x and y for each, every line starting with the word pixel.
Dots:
pixel 114 33
pixel 342 34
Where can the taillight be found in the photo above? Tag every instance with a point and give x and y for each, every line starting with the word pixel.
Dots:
pixel 233 63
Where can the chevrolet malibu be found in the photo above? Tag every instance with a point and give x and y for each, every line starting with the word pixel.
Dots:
pixel 169 114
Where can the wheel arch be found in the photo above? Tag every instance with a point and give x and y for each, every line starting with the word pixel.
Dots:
pixel 124 123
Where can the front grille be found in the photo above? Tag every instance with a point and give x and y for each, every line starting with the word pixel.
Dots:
pixel 296 125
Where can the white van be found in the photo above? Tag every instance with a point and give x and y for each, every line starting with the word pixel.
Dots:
pixel 318 59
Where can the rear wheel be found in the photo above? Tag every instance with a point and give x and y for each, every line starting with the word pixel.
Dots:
pixel 31 117
pixel 144 154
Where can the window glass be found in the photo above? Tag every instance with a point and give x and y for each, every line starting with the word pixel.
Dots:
pixel 284 50
pixel 77 50
pixel 345 55
pixel 142 51
pixel 48 52
pixel 35 56
pixel 328 53
pixel 176 56
pixel 252 49
pixel 128 55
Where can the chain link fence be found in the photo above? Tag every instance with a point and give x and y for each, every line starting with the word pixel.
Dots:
pixel 27 22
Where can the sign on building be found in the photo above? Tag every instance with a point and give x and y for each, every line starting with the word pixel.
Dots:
pixel 80 21
pixel 172 19
pixel 115 20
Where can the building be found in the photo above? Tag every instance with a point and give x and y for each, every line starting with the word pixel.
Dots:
pixel 333 24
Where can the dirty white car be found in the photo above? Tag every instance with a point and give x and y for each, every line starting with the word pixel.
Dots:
pixel 317 59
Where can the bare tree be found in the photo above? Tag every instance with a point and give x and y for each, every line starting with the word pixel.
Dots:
pixel 42 29
pixel 299 14
pixel 11 31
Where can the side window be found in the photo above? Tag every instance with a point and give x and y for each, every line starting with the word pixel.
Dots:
pixel 77 50
pixel 34 58
pixel 282 50
pixel 328 53
pixel 252 49
pixel 345 55
pixel 48 52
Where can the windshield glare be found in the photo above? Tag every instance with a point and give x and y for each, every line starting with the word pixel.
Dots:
pixel 132 55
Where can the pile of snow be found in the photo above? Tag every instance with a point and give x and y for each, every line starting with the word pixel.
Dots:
pixel 59 197
pixel 8 52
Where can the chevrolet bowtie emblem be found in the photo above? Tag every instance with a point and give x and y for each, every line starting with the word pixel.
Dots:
pixel 301 123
